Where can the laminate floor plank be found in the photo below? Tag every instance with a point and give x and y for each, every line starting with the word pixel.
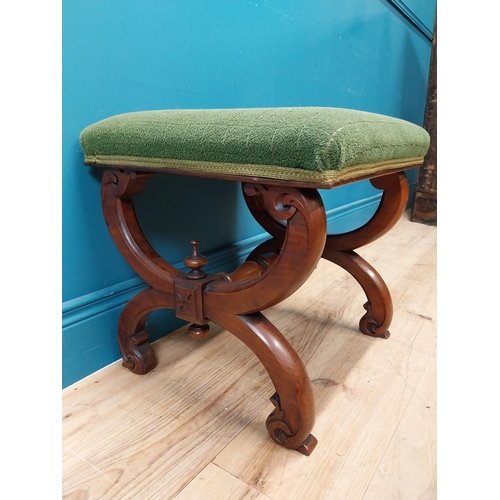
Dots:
pixel 213 483
pixel 408 468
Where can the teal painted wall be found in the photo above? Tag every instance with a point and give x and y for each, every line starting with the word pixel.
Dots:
pixel 128 55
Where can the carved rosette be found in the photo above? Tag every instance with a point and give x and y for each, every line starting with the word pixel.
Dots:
pixel 280 204
pixel 125 183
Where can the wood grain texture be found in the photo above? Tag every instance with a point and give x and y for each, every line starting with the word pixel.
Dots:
pixel 199 413
pixel 407 469
pixel 214 483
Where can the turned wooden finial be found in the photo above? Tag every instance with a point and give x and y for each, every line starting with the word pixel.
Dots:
pixel 195 262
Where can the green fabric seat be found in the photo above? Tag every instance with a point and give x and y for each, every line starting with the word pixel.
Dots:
pixel 309 144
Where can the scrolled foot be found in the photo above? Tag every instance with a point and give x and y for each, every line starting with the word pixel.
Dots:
pixel 138 355
pixel 291 422
pixel 378 316
pixel 281 433
pixel 369 325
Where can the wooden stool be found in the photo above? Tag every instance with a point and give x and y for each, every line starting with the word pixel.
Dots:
pixel 281 156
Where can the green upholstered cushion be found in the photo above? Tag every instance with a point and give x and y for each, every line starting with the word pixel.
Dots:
pixel 310 144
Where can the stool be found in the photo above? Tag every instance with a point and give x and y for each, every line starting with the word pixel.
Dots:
pixel 282 156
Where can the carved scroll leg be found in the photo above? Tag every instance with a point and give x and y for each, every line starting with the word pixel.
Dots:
pixel 292 420
pixel 117 193
pixel 138 355
pixel 378 315
pixel 340 250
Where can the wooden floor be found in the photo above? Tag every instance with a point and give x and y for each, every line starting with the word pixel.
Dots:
pixel 194 427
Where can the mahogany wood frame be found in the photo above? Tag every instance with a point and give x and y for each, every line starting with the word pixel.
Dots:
pixel 295 218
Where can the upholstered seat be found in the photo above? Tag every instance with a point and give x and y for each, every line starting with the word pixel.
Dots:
pixel 311 144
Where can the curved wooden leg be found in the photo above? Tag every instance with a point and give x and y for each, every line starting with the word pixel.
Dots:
pixel 138 355
pixel 118 189
pixel 292 420
pixel 270 282
pixel 271 245
pixel 378 315
pixel 391 207
pixel 117 192
pixel 339 249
